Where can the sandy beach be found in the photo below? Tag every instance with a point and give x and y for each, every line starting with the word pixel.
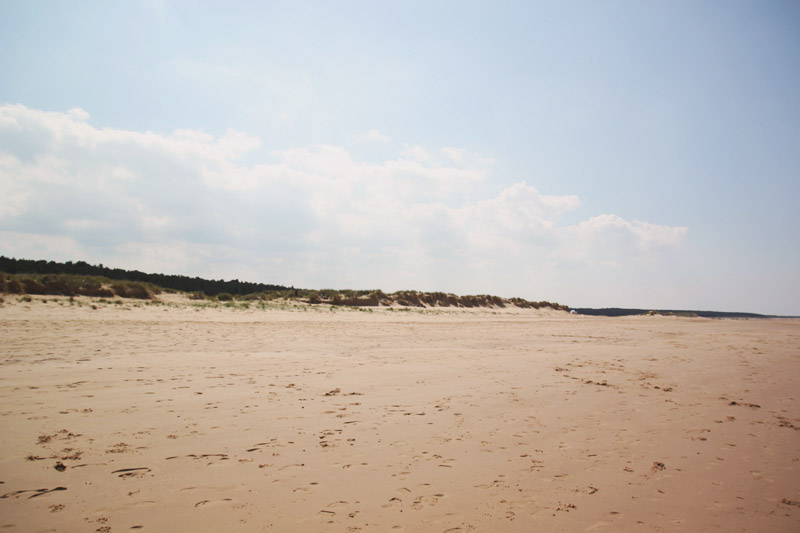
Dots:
pixel 176 417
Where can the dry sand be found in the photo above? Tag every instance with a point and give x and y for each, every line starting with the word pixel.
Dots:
pixel 176 418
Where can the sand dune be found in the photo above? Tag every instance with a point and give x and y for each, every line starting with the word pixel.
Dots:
pixel 175 417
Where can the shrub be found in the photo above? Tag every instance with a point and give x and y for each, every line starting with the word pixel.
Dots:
pixel 496 300
pixel 13 286
pixel 224 297
pixel 58 286
pixel 33 287
pixel 93 287
pixel 252 297
pixel 132 290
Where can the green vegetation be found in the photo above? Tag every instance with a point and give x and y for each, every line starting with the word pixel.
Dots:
pixel 74 285
pixel 27 277
pixel 179 283
pixel 378 298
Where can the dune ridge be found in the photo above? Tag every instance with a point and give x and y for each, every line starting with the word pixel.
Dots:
pixel 99 286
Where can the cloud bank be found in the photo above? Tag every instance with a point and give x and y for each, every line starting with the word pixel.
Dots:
pixel 313 216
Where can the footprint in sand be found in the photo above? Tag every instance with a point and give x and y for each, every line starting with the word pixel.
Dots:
pixel 213 458
pixel 284 467
pixel 203 503
pixel 339 503
pixel 37 493
pixel 426 501
pixel 131 472
pixel 393 502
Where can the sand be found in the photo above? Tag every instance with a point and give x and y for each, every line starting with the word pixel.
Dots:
pixel 172 417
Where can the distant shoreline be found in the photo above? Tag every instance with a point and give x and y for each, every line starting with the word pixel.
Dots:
pixel 619 311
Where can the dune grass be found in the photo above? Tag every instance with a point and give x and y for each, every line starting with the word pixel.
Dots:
pixel 101 287
pixel 76 285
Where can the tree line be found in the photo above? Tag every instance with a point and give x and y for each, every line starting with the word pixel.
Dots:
pixel 210 287
pixel 616 311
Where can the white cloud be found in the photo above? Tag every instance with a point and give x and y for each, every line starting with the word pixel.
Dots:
pixel 308 216
pixel 373 136
pixel 454 154
pixel 417 153
pixel 78 114
pixel 610 239
pixel 15 193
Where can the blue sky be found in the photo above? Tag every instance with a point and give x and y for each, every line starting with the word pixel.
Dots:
pixel 637 154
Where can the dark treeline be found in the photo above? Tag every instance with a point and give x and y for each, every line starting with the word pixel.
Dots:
pixel 180 283
pixel 616 311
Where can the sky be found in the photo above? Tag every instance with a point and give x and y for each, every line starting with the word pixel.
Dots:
pixel 596 154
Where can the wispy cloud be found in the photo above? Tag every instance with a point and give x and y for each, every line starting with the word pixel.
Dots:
pixel 373 136
pixel 315 215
